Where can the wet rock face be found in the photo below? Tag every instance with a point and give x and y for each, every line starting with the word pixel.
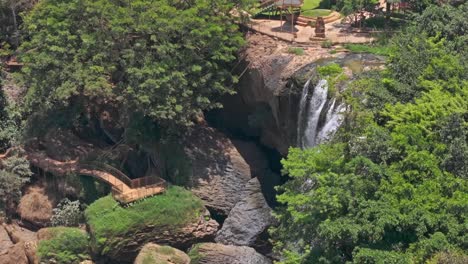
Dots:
pixel 248 219
pixel 155 254
pixel 210 165
pixel 211 253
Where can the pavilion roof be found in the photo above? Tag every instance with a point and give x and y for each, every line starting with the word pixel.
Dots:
pixel 288 3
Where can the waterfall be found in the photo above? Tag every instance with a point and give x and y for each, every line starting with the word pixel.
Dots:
pixel 316 103
pixel 332 123
pixel 318 118
pixel 302 107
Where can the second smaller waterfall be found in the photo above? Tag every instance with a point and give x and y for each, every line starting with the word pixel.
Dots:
pixel 319 117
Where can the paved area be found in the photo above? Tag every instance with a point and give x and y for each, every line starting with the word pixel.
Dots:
pixel 336 31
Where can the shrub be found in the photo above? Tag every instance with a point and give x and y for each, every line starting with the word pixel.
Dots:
pixel 65 245
pixel 67 213
pixel 296 51
pixel 327 44
pixel 195 255
pixel 330 70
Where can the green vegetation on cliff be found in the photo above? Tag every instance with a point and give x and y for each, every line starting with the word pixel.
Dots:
pixel 111 223
pixel 65 245
pixel 392 187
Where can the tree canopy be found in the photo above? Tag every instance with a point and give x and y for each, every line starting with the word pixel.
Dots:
pixel 167 60
pixel 392 187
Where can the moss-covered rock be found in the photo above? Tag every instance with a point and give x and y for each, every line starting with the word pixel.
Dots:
pixel 211 253
pixel 155 254
pixel 176 218
pixel 65 245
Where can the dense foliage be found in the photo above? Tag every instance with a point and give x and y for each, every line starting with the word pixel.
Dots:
pixel 392 187
pixel 167 60
pixel 14 174
pixel 65 245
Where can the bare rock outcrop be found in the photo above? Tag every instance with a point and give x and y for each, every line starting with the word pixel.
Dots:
pixel 248 219
pixel 17 245
pixel 211 166
pixel 5 241
pixel 15 254
pixel 211 253
pixel 155 254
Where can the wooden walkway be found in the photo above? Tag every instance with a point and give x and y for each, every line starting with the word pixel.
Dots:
pixel 124 189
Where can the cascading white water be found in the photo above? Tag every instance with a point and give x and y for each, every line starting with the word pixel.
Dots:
pixel 302 107
pixel 316 103
pixel 332 122
pixel 310 111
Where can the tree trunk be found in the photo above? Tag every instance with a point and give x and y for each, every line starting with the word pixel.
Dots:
pixel 15 26
pixel 387 14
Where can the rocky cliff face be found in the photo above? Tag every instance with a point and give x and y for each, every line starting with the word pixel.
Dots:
pixel 210 165
pixel 266 103
pixel 269 92
pixel 248 219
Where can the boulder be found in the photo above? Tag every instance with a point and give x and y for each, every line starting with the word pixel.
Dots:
pixel 248 219
pixel 209 164
pixel 35 207
pixel 190 223
pixel 155 254
pixel 5 241
pixel 260 160
pixel 20 234
pixel 202 230
pixel 15 254
pixel 18 245
pixel 211 253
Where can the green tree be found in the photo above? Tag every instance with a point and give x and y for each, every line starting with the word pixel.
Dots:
pixel 168 60
pixel 14 174
pixel 392 186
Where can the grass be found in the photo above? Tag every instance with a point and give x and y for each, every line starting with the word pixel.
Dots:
pixel 311 9
pixel 334 74
pixel 110 222
pixel 315 12
pixel 326 44
pixel 149 259
pixel 311 4
pixel 195 255
pixel 376 49
pixel 296 51
pixel 64 245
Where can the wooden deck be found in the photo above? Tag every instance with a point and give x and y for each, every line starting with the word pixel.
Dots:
pixel 124 189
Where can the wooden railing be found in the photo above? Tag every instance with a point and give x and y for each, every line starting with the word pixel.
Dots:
pixel 109 169
pixel 136 188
